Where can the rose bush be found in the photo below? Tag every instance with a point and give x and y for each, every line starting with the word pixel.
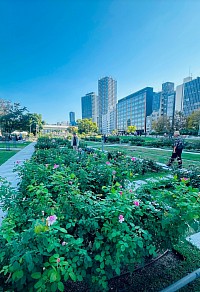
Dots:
pixel 78 222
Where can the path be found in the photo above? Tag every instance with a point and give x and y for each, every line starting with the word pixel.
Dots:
pixel 6 169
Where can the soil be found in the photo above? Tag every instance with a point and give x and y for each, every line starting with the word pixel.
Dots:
pixel 152 278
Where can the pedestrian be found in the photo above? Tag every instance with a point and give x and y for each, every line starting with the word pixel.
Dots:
pixel 75 142
pixel 177 150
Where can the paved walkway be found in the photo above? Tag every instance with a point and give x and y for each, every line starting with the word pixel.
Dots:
pixel 6 169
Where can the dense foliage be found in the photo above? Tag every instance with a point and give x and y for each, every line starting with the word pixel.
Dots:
pixel 76 218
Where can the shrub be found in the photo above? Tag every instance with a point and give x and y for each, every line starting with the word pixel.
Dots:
pixel 58 228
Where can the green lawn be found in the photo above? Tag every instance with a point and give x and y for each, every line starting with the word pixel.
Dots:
pixel 5 155
pixel 12 144
pixel 149 153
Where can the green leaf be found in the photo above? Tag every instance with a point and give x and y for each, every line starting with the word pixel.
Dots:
pixel 60 229
pixel 36 275
pixel 117 270
pixel 72 276
pixel 53 276
pixel 79 278
pixel 75 259
pixel 61 286
pixel 97 257
pixel 17 275
pixel 38 284
pixel 54 287
pixel 102 265
pixel 140 244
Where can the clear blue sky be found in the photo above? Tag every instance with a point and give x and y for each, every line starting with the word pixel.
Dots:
pixel 52 52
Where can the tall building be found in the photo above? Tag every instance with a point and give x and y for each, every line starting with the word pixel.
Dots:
pixel 107 100
pixel 180 95
pixel 89 106
pixel 191 100
pixel 72 119
pixel 156 101
pixel 167 104
pixel 134 109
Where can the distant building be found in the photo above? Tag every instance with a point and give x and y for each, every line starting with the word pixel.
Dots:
pixel 134 109
pixel 167 104
pixel 191 100
pixel 180 95
pixel 72 121
pixel 107 100
pixel 89 106
pixel 156 101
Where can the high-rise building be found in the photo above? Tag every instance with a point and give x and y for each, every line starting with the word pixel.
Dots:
pixel 191 96
pixel 134 109
pixel 72 119
pixel 188 96
pixel 156 101
pixel 180 95
pixel 167 104
pixel 89 106
pixel 107 100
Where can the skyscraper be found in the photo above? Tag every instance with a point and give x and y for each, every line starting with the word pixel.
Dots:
pixel 167 104
pixel 89 106
pixel 191 100
pixel 107 100
pixel 180 95
pixel 72 119
pixel 134 109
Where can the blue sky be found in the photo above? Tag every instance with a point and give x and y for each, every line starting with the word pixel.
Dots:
pixel 52 52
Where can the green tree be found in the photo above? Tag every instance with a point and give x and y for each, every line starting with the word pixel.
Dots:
pixel 13 118
pixel 32 123
pixel 162 125
pixel 72 129
pixel 193 121
pixel 5 107
pixel 179 121
pixel 87 126
pixel 131 129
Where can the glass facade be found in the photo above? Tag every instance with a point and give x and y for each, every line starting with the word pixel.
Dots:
pixel 156 101
pixel 107 100
pixel 191 99
pixel 133 110
pixel 167 90
pixel 72 119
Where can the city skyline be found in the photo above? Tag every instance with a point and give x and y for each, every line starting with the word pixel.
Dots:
pixel 52 53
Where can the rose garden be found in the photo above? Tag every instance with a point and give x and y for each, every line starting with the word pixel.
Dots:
pixel 77 219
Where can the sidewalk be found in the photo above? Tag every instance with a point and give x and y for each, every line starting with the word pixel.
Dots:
pixel 6 169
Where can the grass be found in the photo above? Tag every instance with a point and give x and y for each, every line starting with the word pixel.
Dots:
pixel 5 155
pixel 12 144
pixel 157 155
pixel 150 175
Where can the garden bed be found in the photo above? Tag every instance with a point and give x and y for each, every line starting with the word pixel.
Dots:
pixel 73 218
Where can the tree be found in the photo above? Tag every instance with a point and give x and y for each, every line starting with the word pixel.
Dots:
pixel 193 121
pixel 162 125
pixel 5 107
pixel 179 121
pixel 13 118
pixel 72 129
pixel 87 126
pixel 32 123
pixel 131 129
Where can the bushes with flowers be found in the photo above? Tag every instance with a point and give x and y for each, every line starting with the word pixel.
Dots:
pixel 57 229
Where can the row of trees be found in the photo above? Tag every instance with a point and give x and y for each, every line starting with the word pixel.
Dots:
pixel 15 117
pixel 189 124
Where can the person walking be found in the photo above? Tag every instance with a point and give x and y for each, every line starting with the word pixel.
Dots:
pixel 75 142
pixel 177 150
